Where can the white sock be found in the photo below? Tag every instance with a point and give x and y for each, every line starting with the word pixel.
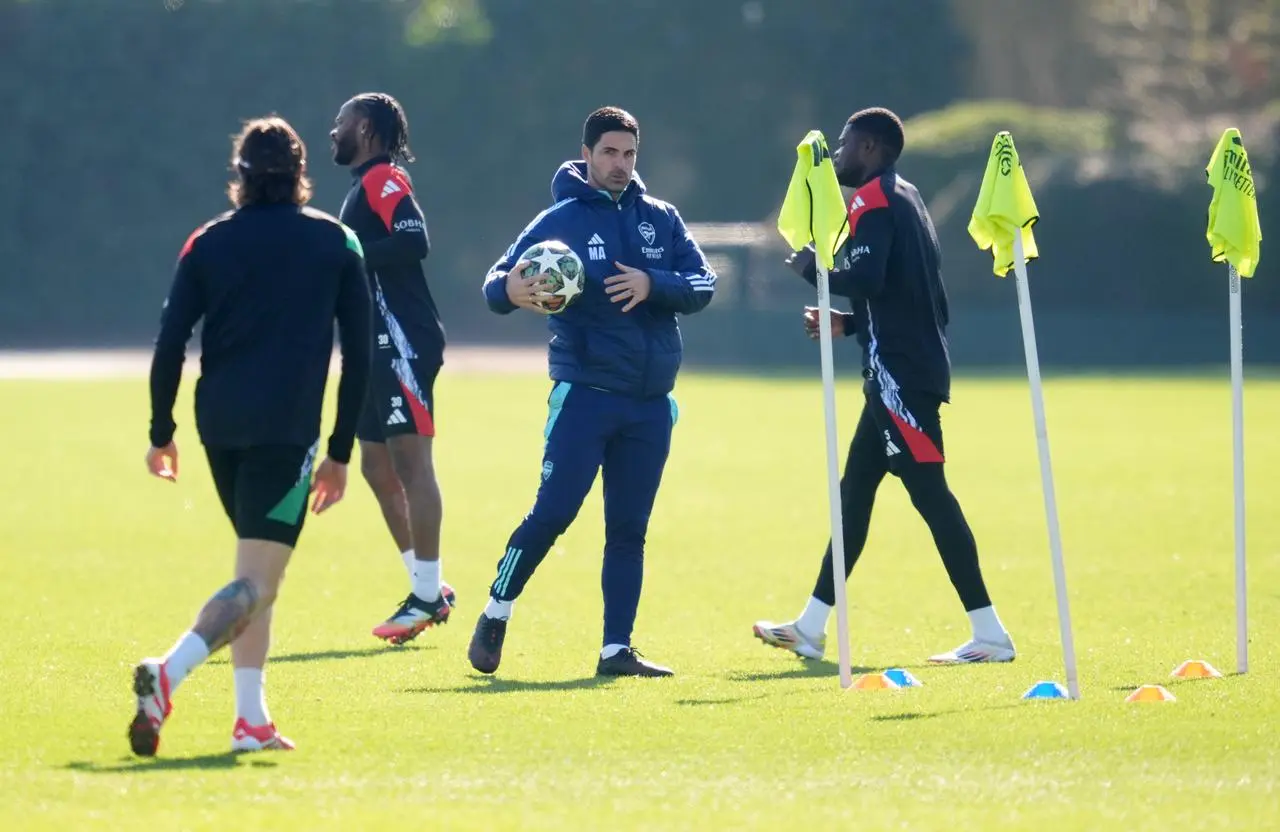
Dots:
pixel 813 621
pixel 410 563
pixel 426 580
pixel 251 698
pixel 184 657
pixel 611 650
pixel 498 609
pixel 987 627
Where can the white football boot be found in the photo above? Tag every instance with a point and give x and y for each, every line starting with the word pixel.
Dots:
pixel 788 636
pixel 975 651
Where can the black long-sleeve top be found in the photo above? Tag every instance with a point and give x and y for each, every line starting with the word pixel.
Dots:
pixel 269 282
pixel 891 268
pixel 383 210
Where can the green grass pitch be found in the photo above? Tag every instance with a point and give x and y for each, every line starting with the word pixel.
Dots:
pixel 103 565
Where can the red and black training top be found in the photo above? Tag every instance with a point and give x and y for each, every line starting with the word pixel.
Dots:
pixel 891 268
pixel 383 210
pixel 268 282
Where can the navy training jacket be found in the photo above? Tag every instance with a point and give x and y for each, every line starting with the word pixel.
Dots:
pixel 637 353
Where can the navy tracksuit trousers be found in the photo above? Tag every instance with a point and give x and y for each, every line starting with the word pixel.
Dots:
pixel 589 429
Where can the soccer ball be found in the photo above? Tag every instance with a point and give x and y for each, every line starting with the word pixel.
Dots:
pixel 564 270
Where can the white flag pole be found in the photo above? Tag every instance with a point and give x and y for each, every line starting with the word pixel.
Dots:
pixel 1237 424
pixel 1046 467
pixel 833 475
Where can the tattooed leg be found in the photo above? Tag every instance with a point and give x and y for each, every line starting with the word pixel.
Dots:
pixel 238 614
pixel 263 563
pixel 227 613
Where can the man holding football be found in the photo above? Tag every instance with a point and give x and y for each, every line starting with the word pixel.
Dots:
pixel 613 357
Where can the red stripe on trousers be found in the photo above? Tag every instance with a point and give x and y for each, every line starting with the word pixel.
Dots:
pixel 918 442
pixel 422 421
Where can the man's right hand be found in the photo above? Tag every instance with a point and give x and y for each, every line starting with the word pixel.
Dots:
pixel 524 291
pixel 163 462
pixel 812 329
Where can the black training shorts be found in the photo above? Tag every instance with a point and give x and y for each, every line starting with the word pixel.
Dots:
pixel 909 423
pixel 264 489
pixel 401 398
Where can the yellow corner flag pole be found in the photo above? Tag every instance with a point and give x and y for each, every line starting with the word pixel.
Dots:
pixel 1235 236
pixel 1002 221
pixel 813 211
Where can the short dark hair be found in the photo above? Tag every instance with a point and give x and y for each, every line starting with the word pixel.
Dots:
pixel 883 125
pixel 270 162
pixel 608 120
pixel 388 122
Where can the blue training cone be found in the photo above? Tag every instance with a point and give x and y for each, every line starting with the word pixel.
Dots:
pixel 1046 690
pixel 904 678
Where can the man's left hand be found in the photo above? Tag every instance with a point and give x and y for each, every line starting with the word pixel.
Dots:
pixel 630 285
pixel 802 261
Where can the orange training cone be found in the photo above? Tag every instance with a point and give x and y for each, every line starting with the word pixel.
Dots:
pixel 1196 669
pixel 875 681
pixel 1151 693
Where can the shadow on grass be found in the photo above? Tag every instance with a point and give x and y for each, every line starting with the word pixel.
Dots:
pixel 1176 682
pixel 805 670
pixel 726 700
pixel 491 685
pixel 332 655
pixel 813 669
pixel 912 716
pixel 204 762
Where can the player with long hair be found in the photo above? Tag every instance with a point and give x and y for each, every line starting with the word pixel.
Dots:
pixel 268 278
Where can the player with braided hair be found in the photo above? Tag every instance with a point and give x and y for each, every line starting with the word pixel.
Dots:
pixel 387 124
pixel 371 137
